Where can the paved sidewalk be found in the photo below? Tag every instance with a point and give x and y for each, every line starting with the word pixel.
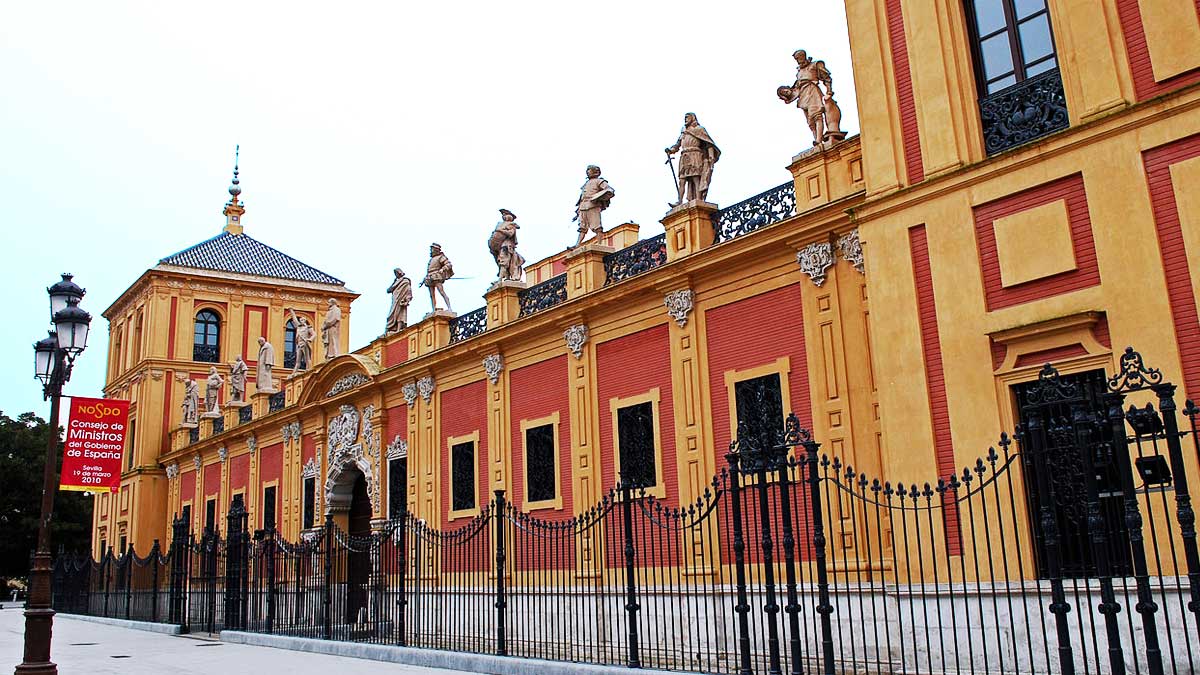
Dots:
pixel 82 647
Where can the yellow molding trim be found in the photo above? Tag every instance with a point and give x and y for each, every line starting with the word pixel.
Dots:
pixel 556 503
pixel 653 397
pixel 451 441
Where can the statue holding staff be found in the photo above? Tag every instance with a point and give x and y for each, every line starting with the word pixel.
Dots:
pixel 402 295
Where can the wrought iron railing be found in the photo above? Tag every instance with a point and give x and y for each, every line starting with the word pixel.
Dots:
pixel 245 414
pixel 1023 112
pixel 218 425
pixel 276 402
pixel 206 353
pixel 772 206
pixel 633 260
pixel 468 325
pixel 789 561
pixel 194 435
pixel 544 295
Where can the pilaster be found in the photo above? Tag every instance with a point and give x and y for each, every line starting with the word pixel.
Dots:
pixel 499 430
pixel 585 425
pixel 689 228
pixel 824 175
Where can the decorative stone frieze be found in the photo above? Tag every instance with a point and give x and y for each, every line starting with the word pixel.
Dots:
pixel 172 471
pixel 197 462
pixel 290 431
pixel 252 443
pixel 223 453
pixel 410 393
pixel 397 449
pixel 346 383
pixel 815 260
pixel 679 305
pixel 850 247
pixel 425 387
pixel 492 365
pixel 310 469
pixel 576 336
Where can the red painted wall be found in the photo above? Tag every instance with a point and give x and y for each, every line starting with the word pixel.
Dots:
pixel 1144 86
pixel 396 352
pixel 778 330
pixel 935 379
pixel 397 423
pixel 628 366
pixel 539 390
pixel 464 410
pixel 913 163
pixel 239 472
pixel 1086 272
pixel 308 448
pixel 212 480
pixel 1176 266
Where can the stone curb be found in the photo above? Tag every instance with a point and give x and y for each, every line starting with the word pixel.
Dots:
pixel 164 628
pixel 429 658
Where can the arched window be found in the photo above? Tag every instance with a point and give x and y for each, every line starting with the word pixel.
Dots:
pixel 206 346
pixel 289 344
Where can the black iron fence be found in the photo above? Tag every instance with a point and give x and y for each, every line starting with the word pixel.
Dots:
pixel 121 585
pixel 1028 560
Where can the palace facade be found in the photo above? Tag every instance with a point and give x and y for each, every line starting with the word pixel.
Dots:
pixel 1023 191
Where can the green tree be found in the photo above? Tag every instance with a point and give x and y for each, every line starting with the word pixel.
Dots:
pixel 22 459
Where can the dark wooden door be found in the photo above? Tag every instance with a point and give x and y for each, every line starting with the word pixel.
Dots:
pixel 359 554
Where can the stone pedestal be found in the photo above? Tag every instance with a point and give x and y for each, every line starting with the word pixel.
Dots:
pixel 826 173
pixel 434 331
pixel 689 228
pixel 503 305
pixel 585 268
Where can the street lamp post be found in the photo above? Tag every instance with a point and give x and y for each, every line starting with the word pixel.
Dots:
pixel 54 356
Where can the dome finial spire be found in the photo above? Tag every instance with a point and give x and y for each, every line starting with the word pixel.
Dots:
pixel 234 210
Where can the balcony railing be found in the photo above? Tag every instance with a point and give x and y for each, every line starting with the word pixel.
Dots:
pixel 194 435
pixel 468 325
pixel 1023 112
pixel 544 295
pixel 218 425
pixel 633 260
pixel 276 402
pixel 772 206
pixel 206 353
pixel 245 414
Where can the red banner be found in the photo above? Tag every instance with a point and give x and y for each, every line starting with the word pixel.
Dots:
pixel 96 431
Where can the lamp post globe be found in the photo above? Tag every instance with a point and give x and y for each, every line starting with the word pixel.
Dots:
pixel 44 351
pixel 63 291
pixel 53 358
pixel 71 324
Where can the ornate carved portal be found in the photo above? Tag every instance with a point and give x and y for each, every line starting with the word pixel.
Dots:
pixel 353 450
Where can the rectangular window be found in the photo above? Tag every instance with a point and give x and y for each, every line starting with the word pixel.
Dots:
pixel 186 514
pixel 462 475
pixel 637 455
pixel 124 543
pixel 268 510
pixel 210 514
pixel 541 475
pixel 759 402
pixel 1016 71
pixel 397 486
pixel 310 502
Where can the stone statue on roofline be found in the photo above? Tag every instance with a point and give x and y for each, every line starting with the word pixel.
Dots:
pixel 822 113
pixel 266 362
pixel 331 330
pixel 436 274
pixel 306 335
pixel 594 196
pixel 237 381
pixel 191 401
pixel 212 391
pixel 503 245
pixel 697 156
pixel 402 295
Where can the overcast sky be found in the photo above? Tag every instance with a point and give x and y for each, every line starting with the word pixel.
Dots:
pixel 367 131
